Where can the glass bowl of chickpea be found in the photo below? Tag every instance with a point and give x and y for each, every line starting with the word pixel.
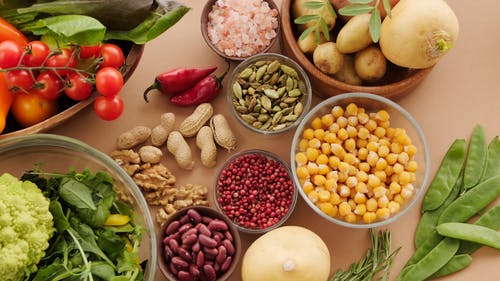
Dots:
pixel 360 160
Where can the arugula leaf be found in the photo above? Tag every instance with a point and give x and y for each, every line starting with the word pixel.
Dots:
pixel 103 270
pixel 76 194
pixel 61 223
pixel 110 242
pixel 87 239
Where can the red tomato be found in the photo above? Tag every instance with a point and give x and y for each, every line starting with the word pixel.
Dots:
pixel 48 85
pixel 20 80
pixel 37 52
pixel 64 59
pixel 89 51
pixel 108 108
pixel 30 108
pixel 10 53
pixel 108 81
pixel 79 88
pixel 112 55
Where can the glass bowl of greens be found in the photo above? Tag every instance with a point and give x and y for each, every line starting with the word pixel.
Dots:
pixel 101 222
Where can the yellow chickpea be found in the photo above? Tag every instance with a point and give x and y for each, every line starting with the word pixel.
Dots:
pixel 327 120
pixel 337 111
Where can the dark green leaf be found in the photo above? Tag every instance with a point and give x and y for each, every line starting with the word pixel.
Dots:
pixel 306 19
pixel 102 270
pixel 61 223
pixel 76 194
pixel 110 242
pixel 324 29
pixel 51 272
pixel 360 1
pixel 314 5
pixel 375 25
pixel 121 207
pixel 87 239
pixel 354 10
pixel 387 7
pixel 94 218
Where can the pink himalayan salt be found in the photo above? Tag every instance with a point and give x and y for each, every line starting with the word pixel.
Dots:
pixel 241 28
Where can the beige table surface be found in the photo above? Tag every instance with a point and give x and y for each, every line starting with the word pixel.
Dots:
pixel 461 91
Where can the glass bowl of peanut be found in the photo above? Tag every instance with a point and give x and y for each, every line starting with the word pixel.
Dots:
pixel 360 160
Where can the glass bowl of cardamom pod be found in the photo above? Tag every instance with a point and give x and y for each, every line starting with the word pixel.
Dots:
pixel 269 93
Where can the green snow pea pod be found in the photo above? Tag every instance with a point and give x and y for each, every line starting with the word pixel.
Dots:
pixel 493 159
pixel 446 176
pixel 425 248
pixel 432 262
pixel 457 263
pixel 426 225
pixel 476 158
pixel 472 201
pixel 470 232
pixel 490 219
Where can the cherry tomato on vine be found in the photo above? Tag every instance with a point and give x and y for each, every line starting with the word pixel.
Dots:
pixel 108 108
pixel 109 81
pixel 112 55
pixel 78 87
pixel 10 53
pixel 89 51
pixel 20 80
pixel 48 85
pixel 30 108
pixel 63 59
pixel 37 53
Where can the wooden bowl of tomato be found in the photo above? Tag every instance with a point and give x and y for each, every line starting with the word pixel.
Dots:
pixel 68 103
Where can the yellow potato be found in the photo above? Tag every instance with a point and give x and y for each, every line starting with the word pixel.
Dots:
pixel 354 35
pixel 327 58
pixel 308 44
pixel 370 64
pixel 347 74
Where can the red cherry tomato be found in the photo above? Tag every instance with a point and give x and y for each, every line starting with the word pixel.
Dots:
pixel 108 81
pixel 64 59
pixel 89 51
pixel 10 53
pixel 78 88
pixel 112 55
pixel 108 108
pixel 48 85
pixel 37 53
pixel 20 80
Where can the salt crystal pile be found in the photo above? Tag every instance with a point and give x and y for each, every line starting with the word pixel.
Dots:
pixel 241 28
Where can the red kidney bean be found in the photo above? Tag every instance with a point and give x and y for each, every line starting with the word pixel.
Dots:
pixel 189 239
pixel 185 255
pixel 221 256
pixel 184 219
pixel 194 216
pixel 203 229
pixel 174 245
pixel 179 263
pixel 210 251
pixel 196 247
pixel 216 267
pixel 189 232
pixel 195 272
pixel 173 236
pixel 228 235
pixel 172 227
pixel 184 276
pixel 167 253
pixel 225 265
pixel 229 246
pixel 209 258
pixel 200 259
pixel 185 227
pixel 207 241
pixel 206 219
pixel 209 272
pixel 217 224
pixel 173 269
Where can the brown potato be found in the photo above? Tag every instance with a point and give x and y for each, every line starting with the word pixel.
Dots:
pixel 355 35
pixel 347 74
pixel 370 64
pixel 327 58
pixel 308 44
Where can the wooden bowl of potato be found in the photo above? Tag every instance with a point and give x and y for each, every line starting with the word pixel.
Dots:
pixel 327 81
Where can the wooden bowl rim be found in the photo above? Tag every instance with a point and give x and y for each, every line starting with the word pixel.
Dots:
pixel 131 60
pixel 204 20
pixel 392 90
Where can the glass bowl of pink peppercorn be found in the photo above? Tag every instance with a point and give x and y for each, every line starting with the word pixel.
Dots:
pixel 255 190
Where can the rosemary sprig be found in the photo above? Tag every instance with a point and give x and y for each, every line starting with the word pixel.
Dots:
pixel 320 25
pixel 359 7
pixel 376 262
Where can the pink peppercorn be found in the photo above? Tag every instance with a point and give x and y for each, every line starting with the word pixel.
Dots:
pixel 255 191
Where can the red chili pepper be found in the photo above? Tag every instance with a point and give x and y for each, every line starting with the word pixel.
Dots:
pixel 205 90
pixel 177 80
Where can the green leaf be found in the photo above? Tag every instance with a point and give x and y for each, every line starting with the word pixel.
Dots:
pixel 330 8
pixel 61 223
pixel 76 194
pixel 324 28
pixel 375 25
pixel 314 5
pixel 102 270
pixel 354 10
pixel 317 35
pixel 306 32
pixel 387 7
pixel 360 1
pixel 79 29
pixel 306 19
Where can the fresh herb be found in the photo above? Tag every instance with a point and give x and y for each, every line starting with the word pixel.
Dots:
pixel 319 23
pixel 360 7
pixel 378 259
pixel 83 247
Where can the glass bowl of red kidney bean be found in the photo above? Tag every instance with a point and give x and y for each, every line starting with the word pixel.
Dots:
pixel 198 243
pixel 255 190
